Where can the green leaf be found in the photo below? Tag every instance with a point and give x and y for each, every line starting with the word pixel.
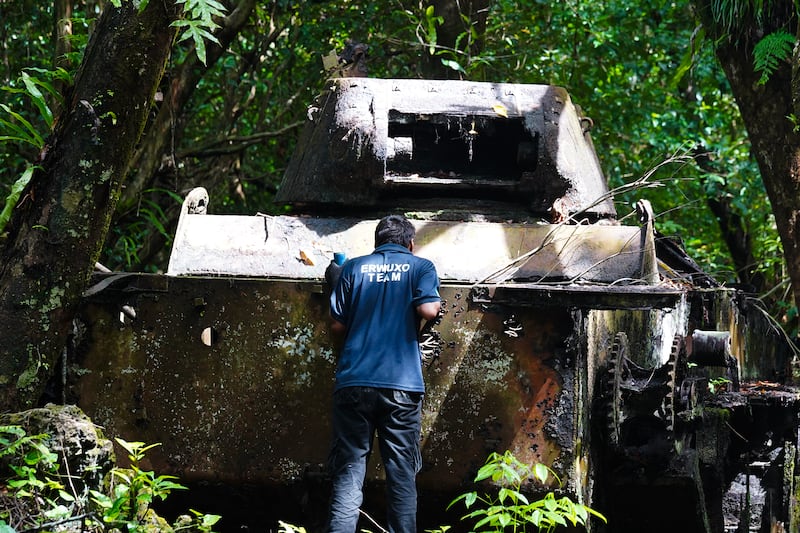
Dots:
pixel 768 53
pixel 555 518
pixel 688 59
pixel 32 457
pixel 483 522
pixel 503 494
pixel 550 502
pixel 32 86
pixel 129 447
pixel 431 32
pixel 208 520
pixel 504 519
pixel 195 31
pixel 581 513
pixel 470 499
pixel 455 65
pixel 541 472
pixel 13 197
pixel 121 475
pixel 26 132
pixel 58 512
pixel 199 23
pixel 595 513
pixel 485 472
pixel 101 499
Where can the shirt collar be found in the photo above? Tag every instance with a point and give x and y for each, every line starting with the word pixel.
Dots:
pixel 392 247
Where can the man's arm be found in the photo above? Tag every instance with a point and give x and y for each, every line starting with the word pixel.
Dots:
pixel 429 310
pixel 337 330
pixel 336 327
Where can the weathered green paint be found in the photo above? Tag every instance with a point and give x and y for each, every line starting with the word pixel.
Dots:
pixel 513 373
pixel 520 368
pixel 234 375
pixel 253 406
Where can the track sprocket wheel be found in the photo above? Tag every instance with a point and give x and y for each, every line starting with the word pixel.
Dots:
pixel 674 378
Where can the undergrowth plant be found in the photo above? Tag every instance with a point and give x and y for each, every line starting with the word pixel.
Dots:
pixel 32 492
pixel 509 509
pixel 38 86
pixel 35 494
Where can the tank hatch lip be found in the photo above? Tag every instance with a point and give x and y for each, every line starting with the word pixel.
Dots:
pixel 417 179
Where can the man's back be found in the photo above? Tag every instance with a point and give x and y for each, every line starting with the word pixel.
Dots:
pixel 376 300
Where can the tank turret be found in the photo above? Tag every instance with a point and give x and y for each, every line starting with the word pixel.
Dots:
pixel 379 143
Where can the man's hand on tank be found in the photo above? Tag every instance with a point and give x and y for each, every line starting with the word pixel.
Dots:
pixel 332 274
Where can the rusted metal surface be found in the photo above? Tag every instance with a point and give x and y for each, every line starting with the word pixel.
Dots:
pixel 247 403
pixel 253 406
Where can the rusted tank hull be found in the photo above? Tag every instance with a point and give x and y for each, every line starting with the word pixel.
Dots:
pixel 253 406
pixel 234 377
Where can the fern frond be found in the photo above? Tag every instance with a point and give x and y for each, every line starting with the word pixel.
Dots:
pixel 199 23
pixel 770 51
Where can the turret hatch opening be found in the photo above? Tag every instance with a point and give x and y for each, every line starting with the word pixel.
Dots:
pixel 439 149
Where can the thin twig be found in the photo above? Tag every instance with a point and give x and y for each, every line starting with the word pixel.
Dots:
pixel 736 432
pixel 640 183
pixel 376 524
pixel 234 144
pixel 66 467
pixel 58 522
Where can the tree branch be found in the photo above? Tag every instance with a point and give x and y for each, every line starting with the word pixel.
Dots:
pixel 236 143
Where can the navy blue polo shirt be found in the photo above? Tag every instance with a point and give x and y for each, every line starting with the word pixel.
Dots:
pixel 376 300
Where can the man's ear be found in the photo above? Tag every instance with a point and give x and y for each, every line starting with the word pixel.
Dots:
pixel 411 246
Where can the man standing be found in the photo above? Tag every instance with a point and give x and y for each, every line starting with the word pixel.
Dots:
pixel 377 304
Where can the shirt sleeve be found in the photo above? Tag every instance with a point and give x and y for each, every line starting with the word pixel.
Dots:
pixel 426 288
pixel 339 296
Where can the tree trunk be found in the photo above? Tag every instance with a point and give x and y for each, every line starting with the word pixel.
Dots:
pixel 766 109
pixel 60 222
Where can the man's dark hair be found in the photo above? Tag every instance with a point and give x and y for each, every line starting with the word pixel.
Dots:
pixel 394 229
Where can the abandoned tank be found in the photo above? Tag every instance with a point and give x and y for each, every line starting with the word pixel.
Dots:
pixel 662 399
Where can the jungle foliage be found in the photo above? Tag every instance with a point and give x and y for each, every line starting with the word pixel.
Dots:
pixel 39 493
pixel 642 70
